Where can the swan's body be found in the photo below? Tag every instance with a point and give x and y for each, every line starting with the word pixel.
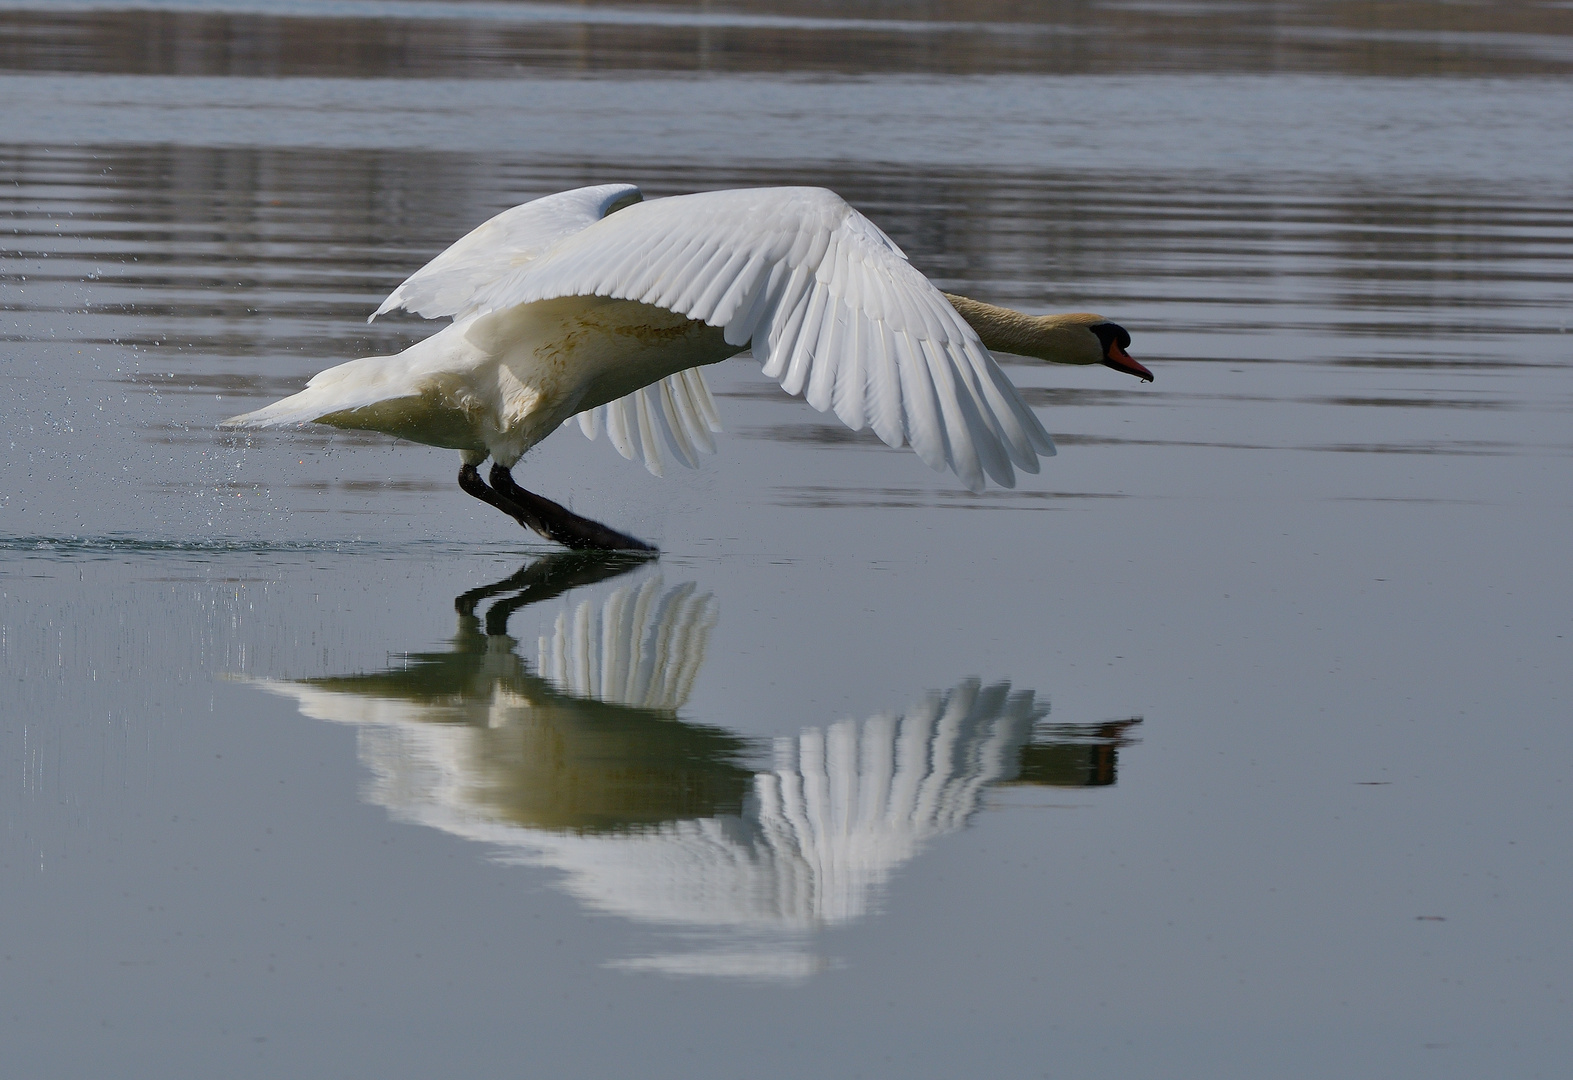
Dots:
pixel 596 304
pixel 497 385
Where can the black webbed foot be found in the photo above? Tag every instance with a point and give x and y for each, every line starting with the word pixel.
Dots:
pixel 559 523
pixel 544 516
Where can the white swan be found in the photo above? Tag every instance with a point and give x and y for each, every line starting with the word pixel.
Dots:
pixel 598 304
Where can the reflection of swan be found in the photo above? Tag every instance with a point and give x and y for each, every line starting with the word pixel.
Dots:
pixel 594 302
pixel 472 735
pixel 586 768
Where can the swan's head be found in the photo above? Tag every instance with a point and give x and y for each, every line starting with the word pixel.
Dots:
pixel 1077 338
pixel 1091 339
pixel 1113 340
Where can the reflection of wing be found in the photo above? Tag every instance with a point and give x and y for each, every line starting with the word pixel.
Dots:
pixel 812 841
pixel 642 648
pixel 823 830
pixel 855 800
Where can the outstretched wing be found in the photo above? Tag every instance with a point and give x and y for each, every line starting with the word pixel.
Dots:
pixel 449 283
pixel 833 309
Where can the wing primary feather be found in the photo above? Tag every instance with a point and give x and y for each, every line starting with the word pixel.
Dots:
pixel 760 308
pixel 921 424
pixel 961 451
pixel 699 392
pixel 831 353
pixel 962 352
pixel 683 416
pixel 619 431
pixel 687 414
pixel 993 450
pixel 679 407
pixel 885 409
pixel 803 349
pixel 1029 420
pixel 783 342
pixel 671 424
pixel 831 356
pixel 652 453
pixel 1006 418
pixel 847 398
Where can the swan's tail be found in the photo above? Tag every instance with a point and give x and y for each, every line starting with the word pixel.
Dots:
pixel 355 385
pixel 301 408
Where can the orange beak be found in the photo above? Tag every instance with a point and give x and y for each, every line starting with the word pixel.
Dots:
pixel 1120 360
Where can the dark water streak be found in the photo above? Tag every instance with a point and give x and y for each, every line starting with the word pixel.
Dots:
pixel 1417 39
pixel 236 273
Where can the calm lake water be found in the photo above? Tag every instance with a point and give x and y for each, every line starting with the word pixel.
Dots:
pixel 1236 743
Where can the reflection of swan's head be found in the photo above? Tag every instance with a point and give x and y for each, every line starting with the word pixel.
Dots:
pixel 582 762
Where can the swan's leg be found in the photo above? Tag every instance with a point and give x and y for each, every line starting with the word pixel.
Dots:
pixel 556 574
pixel 552 521
pixel 471 482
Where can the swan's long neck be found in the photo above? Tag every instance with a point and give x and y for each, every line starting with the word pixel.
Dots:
pixel 1058 339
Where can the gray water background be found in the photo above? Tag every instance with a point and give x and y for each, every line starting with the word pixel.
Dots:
pixel 1303 603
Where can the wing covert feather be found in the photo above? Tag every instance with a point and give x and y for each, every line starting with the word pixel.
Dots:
pixel 447 285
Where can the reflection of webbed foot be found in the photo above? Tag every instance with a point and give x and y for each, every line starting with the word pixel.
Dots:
pixel 545 579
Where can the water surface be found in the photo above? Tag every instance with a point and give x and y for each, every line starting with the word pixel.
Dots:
pixel 1235 742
